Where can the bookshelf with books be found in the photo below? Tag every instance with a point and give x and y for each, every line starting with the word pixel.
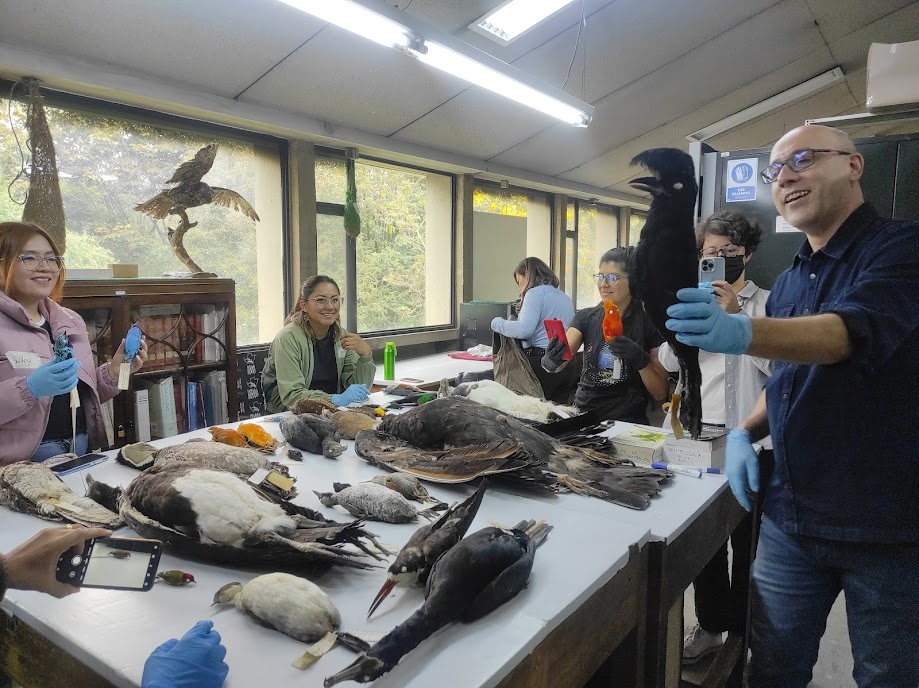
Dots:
pixel 189 381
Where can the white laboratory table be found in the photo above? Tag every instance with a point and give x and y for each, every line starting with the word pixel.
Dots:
pixel 584 597
pixel 430 370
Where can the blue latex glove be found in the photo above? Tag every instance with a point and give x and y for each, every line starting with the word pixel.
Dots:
pixel 701 321
pixel 350 395
pixel 742 466
pixel 52 378
pixel 195 661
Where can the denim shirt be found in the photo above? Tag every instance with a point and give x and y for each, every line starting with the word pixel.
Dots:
pixel 846 436
pixel 539 303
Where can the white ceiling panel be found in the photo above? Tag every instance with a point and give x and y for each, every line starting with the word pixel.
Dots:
pixel 838 18
pixel 217 45
pixel 340 77
pixel 897 27
pixel 712 70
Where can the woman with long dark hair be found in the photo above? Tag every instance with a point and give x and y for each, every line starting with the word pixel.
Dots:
pixel 35 417
pixel 541 299
pixel 313 356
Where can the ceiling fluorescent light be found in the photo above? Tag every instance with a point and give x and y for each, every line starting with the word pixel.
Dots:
pixel 776 102
pixel 357 19
pixel 516 17
pixel 475 72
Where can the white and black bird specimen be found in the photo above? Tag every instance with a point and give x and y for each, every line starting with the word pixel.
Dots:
pixel 522 406
pixel 415 560
pixel 478 575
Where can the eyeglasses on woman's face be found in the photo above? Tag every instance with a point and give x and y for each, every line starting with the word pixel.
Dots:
pixel 799 161
pixel 33 262
pixel 325 302
pixel 729 251
pixel 609 278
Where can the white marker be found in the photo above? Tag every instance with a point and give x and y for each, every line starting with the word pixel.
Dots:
pixel 676 468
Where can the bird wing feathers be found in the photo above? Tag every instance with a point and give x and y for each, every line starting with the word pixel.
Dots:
pixel 191 171
pixel 230 199
pixel 157 207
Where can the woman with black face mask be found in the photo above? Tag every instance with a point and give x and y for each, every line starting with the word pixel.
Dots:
pixel 730 388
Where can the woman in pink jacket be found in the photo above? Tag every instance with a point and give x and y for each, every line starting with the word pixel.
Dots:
pixel 35 417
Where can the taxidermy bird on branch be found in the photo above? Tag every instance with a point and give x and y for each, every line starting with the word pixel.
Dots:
pixel 190 192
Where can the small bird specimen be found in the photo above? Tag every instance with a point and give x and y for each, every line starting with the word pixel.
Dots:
pixel 414 561
pixel 190 192
pixel 289 604
pixel 406 485
pixel 229 436
pixel 120 554
pixel 666 260
pixel 32 488
pixel 456 439
pixel 372 502
pixel 497 396
pixel 349 423
pixel 475 577
pixel 258 437
pixel 313 434
pixel 176 578
pixel 314 406
pixel 217 516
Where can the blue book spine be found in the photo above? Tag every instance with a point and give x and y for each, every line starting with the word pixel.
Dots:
pixel 194 411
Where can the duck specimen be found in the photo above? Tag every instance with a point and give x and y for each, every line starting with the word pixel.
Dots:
pixel 34 489
pixel 349 423
pixel 176 578
pixel 313 434
pixel 475 577
pixel 420 440
pixel 497 396
pixel 289 604
pixel 406 485
pixel 224 457
pixel 372 501
pixel 414 561
pixel 217 516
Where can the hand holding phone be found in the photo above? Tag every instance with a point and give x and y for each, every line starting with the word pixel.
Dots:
pixel 711 269
pixel 116 563
pixel 556 330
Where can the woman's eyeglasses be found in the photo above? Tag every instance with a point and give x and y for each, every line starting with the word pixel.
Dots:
pixel 33 262
pixel 600 278
pixel 323 302
pixel 728 251
pixel 798 162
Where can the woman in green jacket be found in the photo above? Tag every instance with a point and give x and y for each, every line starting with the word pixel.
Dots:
pixel 313 356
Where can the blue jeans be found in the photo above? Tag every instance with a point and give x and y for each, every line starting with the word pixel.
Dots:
pixel 795 582
pixel 50 448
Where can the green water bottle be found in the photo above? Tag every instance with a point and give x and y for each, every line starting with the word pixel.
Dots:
pixel 389 361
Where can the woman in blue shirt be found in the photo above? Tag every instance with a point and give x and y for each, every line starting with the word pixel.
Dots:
pixel 541 299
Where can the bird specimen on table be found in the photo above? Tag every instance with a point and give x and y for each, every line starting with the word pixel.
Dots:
pixel 312 433
pixel 414 561
pixel 176 578
pixel 475 577
pixel 666 260
pixel 312 405
pixel 32 488
pixel 229 436
pixel 497 396
pixel 349 423
pixel 257 437
pixel 217 516
pixel 188 191
pixel 240 460
pixel 406 485
pixel 292 605
pixel 373 502
pixel 456 439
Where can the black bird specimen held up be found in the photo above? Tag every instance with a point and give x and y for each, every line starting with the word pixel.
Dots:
pixel 478 575
pixel 190 192
pixel 666 260
pixel 456 439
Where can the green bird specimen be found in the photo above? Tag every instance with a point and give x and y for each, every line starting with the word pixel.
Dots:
pixel 176 577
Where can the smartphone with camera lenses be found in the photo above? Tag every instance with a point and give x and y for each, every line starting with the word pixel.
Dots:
pixel 114 563
pixel 711 269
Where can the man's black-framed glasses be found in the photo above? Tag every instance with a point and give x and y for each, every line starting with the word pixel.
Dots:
pixel 799 161
pixel 609 278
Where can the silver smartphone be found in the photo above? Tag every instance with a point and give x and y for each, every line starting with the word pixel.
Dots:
pixel 711 269
pixel 116 563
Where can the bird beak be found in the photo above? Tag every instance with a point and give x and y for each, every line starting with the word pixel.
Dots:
pixel 651 185
pixel 363 669
pixel 384 591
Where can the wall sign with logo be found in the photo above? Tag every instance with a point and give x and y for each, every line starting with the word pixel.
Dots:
pixel 741 181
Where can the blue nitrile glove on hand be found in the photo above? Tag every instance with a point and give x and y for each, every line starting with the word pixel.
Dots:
pixel 52 378
pixel 742 467
pixel 195 661
pixel 701 321
pixel 350 395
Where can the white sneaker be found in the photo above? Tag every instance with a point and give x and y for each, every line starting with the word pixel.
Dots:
pixel 698 643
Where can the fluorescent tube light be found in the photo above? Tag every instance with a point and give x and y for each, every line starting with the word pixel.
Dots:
pixel 516 17
pixel 357 19
pixel 479 74
pixel 776 102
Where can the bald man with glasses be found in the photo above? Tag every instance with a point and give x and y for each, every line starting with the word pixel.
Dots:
pixel 841 511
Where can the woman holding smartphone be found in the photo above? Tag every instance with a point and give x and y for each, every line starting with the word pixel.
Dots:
pixel 35 416
pixel 541 300
pixel 313 356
